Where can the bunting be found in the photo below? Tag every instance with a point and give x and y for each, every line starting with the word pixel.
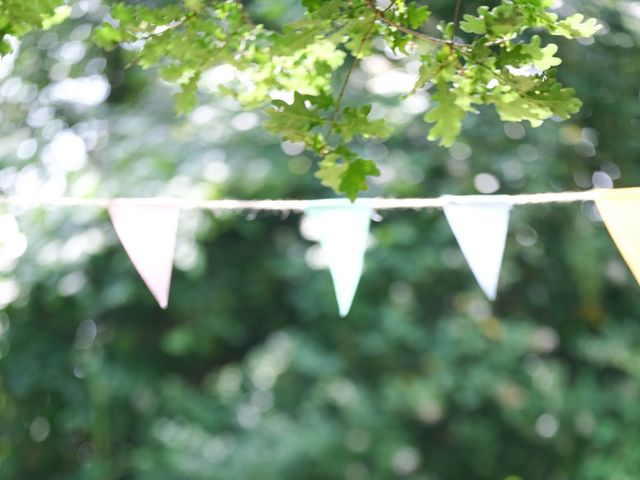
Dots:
pixel 147 229
pixel 148 234
pixel 481 232
pixel 342 233
pixel 620 211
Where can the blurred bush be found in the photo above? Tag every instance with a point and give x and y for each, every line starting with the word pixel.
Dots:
pixel 250 374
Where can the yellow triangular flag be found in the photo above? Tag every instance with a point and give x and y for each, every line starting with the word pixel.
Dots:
pixel 620 211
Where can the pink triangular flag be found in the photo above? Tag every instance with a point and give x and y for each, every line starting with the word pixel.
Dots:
pixel 148 234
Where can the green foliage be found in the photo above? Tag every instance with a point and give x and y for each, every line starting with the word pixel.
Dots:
pixel 532 53
pixel 574 26
pixel 355 122
pixel 18 17
pixel 188 38
pixel 296 121
pixel 447 115
pixel 250 373
pixel 343 170
pixel 352 180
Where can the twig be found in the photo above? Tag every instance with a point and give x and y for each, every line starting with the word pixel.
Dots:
pixel 424 36
pixel 336 110
pixel 391 4
pixel 163 28
pixel 456 14
pixel 144 36
pixel 244 13
pixel 485 66
pixel 428 38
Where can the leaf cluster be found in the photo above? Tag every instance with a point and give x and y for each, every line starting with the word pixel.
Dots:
pixel 19 17
pixel 498 63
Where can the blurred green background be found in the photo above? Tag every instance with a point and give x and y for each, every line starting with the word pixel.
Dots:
pixel 250 373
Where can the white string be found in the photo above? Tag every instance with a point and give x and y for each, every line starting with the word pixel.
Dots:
pixel 301 205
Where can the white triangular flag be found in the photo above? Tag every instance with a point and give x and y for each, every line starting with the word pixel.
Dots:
pixel 342 232
pixel 148 234
pixel 481 231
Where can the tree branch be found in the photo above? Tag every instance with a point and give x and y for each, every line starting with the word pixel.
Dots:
pixel 244 13
pixel 427 38
pixel 343 89
pixel 456 14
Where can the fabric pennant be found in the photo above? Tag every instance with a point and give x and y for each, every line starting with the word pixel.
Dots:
pixel 148 234
pixel 620 211
pixel 342 232
pixel 481 232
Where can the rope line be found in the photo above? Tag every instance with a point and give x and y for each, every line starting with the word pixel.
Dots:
pixel 301 205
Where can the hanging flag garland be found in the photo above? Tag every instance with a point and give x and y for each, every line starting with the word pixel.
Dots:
pixel 342 234
pixel 481 232
pixel 147 229
pixel 620 211
pixel 148 234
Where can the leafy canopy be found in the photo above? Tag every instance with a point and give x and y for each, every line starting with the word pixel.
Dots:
pixel 496 62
